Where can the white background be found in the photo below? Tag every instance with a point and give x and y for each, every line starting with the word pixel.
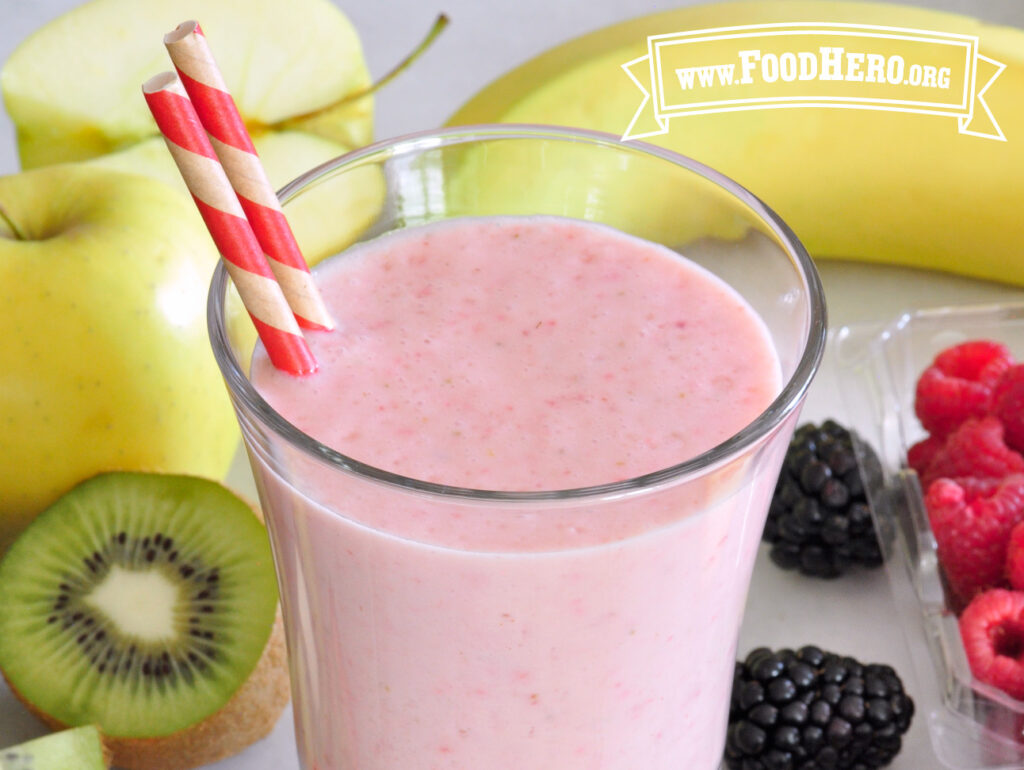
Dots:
pixel 485 39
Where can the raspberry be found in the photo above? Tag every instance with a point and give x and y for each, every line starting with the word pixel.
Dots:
pixel 1008 405
pixel 1015 558
pixel 975 360
pixel 814 709
pixel 921 454
pixel 958 385
pixel 972 522
pixel 942 403
pixel 992 629
pixel 977 449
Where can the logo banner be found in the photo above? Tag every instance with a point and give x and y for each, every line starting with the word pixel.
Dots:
pixel 825 64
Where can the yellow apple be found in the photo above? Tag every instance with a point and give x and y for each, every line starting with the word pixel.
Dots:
pixel 72 90
pixel 105 362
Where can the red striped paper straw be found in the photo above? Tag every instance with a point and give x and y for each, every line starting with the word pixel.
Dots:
pixel 205 86
pixel 225 219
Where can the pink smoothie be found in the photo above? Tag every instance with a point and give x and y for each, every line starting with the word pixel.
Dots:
pixel 522 354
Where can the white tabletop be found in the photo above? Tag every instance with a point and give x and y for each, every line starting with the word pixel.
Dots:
pixel 486 38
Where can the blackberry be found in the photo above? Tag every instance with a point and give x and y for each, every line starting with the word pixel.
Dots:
pixel 819 521
pixel 813 710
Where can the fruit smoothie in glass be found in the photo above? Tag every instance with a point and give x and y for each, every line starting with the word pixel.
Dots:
pixel 515 512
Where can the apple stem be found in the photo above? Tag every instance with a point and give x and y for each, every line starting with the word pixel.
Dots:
pixel 436 29
pixel 6 219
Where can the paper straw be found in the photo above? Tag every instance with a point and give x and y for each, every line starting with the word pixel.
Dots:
pixel 225 219
pixel 205 86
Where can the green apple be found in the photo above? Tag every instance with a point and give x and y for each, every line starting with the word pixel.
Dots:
pixel 72 90
pixel 105 362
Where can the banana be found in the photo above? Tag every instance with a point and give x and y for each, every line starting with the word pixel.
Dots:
pixel 887 187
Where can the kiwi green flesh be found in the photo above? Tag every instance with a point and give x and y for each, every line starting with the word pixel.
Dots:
pixel 80 748
pixel 78 587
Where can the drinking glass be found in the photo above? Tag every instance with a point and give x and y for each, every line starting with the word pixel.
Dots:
pixel 580 629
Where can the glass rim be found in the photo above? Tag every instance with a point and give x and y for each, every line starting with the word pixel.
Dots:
pixel 788 399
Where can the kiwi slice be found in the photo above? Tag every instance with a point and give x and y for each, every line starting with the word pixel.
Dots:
pixel 80 747
pixel 138 602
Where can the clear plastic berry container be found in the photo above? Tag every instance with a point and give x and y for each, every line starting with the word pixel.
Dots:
pixel 972 726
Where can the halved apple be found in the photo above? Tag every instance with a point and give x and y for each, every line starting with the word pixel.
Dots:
pixel 72 90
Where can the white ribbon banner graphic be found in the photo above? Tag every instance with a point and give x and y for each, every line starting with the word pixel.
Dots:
pixel 821 64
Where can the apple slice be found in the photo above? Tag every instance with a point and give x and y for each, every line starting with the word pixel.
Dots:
pixel 80 747
pixel 72 90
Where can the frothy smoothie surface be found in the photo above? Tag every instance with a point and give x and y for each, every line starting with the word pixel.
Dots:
pixel 518 354
pixel 525 354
